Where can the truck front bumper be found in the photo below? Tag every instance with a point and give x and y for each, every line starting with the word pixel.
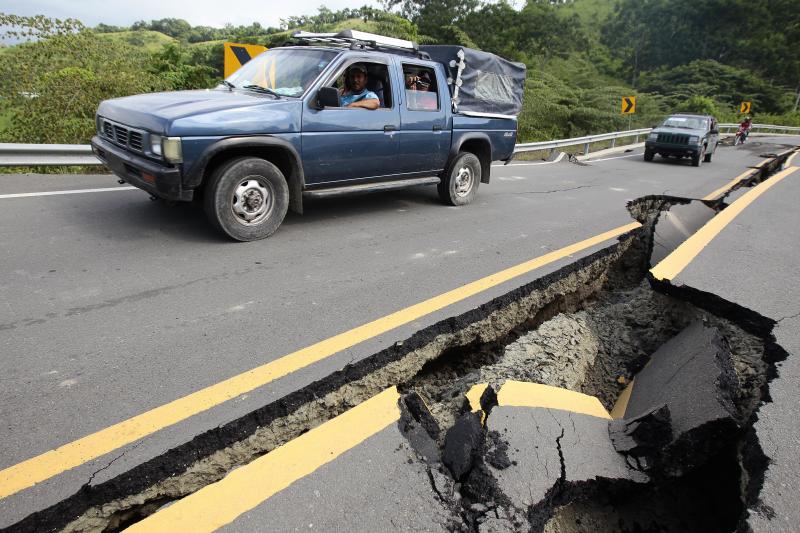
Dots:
pixel 159 180
pixel 680 150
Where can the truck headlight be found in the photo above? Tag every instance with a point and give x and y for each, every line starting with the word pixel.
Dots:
pixel 155 144
pixel 652 137
pixel 167 147
pixel 171 147
pixel 694 139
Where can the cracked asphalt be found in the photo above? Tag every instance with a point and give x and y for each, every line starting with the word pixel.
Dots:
pixel 111 305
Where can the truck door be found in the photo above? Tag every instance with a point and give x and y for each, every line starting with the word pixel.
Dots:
pixel 424 132
pixel 342 144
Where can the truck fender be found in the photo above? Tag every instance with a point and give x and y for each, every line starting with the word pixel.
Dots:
pixel 479 144
pixel 278 151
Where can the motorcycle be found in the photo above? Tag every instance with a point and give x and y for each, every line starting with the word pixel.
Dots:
pixel 741 135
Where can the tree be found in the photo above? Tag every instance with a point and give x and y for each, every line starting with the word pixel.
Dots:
pixel 53 81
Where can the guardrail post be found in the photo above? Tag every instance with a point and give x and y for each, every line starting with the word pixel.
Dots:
pixel 586 149
pixel 613 143
pixel 636 139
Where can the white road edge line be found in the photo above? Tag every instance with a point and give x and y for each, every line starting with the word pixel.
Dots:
pixel 55 193
pixel 556 160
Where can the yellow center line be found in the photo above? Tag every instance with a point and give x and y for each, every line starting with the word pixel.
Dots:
pixel 51 463
pixel 675 262
pixel 622 402
pixel 523 394
pixel 245 488
pixel 725 188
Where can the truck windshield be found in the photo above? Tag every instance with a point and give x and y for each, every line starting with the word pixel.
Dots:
pixel 692 123
pixel 285 72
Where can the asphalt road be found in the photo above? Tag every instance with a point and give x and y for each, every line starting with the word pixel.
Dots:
pixel 111 305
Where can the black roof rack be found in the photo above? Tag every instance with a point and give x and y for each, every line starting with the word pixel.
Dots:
pixel 360 40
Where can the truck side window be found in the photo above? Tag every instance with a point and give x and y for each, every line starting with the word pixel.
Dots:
pixel 422 93
pixel 377 82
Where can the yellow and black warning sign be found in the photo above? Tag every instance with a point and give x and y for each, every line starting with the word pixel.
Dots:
pixel 746 107
pixel 237 55
pixel 628 105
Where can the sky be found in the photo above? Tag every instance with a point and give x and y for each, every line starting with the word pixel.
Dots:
pixel 197 12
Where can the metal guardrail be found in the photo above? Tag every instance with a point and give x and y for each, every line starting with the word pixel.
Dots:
pixel 585 141
pixel 46 155
pixel 43 155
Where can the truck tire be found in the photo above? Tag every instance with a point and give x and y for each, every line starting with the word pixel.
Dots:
pixel 648 155
pixel 697 159
pixel 246 198
pixel 460 181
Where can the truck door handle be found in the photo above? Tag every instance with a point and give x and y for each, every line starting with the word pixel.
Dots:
pixel 437 127
pixel 389 127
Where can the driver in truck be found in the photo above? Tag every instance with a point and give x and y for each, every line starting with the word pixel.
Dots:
pixel 355 93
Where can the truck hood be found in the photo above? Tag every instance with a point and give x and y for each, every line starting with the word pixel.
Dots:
pixel 205 112
pixel 683 131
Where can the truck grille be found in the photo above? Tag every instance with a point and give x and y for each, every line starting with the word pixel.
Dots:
pixel 123 135
pixel 673 138
pixel 135 140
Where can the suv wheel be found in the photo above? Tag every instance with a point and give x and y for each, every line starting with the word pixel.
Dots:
pixel 697 159
pixel 247 198
pixel 648 155
pixel 460 182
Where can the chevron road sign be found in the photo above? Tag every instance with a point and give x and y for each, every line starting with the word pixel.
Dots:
pixel 628 105
pixel 745 107
pixel 237 55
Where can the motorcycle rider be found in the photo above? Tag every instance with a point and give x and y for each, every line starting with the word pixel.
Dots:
pixel 744 128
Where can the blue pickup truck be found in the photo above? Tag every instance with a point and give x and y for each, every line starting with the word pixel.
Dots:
pixel 278 129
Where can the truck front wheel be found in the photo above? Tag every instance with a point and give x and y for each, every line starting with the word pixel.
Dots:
pixel 460 181
pixel 247 198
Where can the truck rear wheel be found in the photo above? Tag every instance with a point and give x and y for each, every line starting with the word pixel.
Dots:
pixel 460 181
pixel 247 198
pixel 648 155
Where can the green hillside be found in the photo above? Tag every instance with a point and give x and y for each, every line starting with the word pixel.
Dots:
pixel 150 41
pixel 582 57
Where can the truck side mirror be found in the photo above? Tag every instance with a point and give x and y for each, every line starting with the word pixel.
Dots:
pixel 328 97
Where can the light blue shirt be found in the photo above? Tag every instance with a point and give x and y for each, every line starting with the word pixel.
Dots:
pixel 349 98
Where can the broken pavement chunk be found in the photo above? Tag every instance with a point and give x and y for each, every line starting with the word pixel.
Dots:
pixel 462 444
pixel 553 448
pixel 692 377
pixel 644 436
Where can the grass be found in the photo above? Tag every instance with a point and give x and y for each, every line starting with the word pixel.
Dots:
pixel 5 118
pixel 150 41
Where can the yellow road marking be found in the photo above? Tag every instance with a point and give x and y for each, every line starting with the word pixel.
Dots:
pixel 725 188
pixel 622 402
pixel 37 469
pixel 675 262
pixel 474 396
pixel 245 488
pixel 521 394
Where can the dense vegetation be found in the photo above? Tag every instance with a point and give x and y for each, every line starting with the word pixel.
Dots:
pixel 582 57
